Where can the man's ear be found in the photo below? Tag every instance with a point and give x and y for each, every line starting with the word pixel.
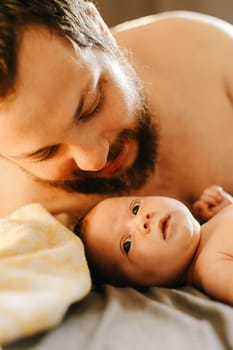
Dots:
pixel 94 13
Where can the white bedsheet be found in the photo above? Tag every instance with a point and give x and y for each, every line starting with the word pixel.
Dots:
pixel 43 270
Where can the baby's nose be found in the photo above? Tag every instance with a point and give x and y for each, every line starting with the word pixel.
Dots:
pixel 146 223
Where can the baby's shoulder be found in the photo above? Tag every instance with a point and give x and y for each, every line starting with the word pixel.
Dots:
pixel 215 249
pixel 223 220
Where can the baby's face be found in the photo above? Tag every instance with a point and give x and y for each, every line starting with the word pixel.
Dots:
pixel 151 240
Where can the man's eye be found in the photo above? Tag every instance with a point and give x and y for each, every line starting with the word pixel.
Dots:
pixel 127 245
pixel 45 153
pixel 95 108
pixel 135 208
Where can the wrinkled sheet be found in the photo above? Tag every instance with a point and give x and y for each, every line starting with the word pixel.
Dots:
pixel 43 270
pixel 161 318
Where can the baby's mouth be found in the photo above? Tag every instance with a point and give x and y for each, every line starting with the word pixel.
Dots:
pixel 164 224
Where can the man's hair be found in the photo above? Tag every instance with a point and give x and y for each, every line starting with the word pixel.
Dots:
pixel 73 19
pixel 101 273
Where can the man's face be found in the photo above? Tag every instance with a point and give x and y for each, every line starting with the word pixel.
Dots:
pixel 77 119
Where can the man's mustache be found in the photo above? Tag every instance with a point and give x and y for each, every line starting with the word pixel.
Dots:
pixel 115 149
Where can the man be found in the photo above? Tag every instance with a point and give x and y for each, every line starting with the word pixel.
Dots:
pixel 78 125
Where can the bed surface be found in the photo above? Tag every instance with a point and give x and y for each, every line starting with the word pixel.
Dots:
pixel 160 318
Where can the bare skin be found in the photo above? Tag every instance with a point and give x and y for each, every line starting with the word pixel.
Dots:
pixel 212 267
pixel 174 66
pixel 155 241
pixel 189 83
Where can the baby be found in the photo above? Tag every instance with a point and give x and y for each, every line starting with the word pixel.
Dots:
pixel 155 241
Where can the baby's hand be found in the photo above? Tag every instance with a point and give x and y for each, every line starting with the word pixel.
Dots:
pixel 212 200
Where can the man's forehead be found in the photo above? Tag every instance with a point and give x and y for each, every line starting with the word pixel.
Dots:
pixel 45 89
pixel 40 36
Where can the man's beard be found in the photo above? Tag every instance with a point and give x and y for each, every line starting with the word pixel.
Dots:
pixel 145 134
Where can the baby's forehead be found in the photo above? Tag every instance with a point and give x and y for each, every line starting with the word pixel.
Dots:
pixel 108 218
pixel 110 215
pixel 113 206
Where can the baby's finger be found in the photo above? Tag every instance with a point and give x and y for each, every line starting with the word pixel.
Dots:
pixel 212 195
pixel 215 192
pixel 201 209
pixel 209 198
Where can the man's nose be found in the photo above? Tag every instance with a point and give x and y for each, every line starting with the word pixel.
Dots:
pixel 90 156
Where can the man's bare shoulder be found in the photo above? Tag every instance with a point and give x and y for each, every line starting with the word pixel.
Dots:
pixel 175 41
pixel 170 23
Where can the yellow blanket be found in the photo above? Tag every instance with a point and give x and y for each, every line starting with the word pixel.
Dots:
pixel 42 271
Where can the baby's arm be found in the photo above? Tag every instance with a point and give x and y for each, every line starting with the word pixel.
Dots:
pixel 212 200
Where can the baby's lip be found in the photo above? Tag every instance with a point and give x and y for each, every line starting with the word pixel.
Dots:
pixel 164 225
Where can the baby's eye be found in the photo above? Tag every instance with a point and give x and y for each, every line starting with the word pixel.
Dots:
pixel 135 208
pixel 127 245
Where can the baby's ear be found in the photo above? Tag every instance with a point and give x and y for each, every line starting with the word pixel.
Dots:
pixel 94 13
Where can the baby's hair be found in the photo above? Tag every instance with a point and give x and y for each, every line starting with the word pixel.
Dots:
pixel 101 273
